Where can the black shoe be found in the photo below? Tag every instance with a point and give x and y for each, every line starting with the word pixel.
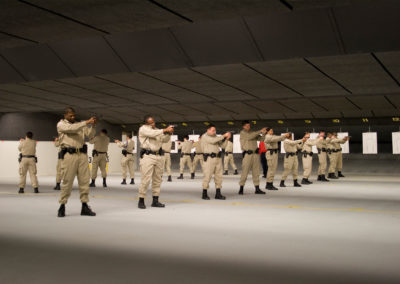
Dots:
pixel 236 172
pixel 123 181
pixel 340 175
pixel 61 211
pixel 258 190
pixel 218 195
pixel 181 176
pixel 57 187
pixel 205 195
pixel 282 184
pixel 305 181
pixel 156 203
pixel 225 173
pixel 323 178
pixel 104 182
pixel 241 190
pixel 296 184
pixel 141 204
pixel 332 176
pixel 21 190
pixel 92 184
pixel 86 210
pixel 169 178
pixel 132 181
pixel 270 186
pixel 36 190
pixel 192 175
pixel 319 178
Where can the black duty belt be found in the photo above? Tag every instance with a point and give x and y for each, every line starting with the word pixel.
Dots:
pixel 125 152
pixel 198 153
pixel 166 152
pixel 305 154
pixel 330 151
pixel 227 153
pixel 150 152
pixel 96 153
pixel 60 155
pixel 73 150
pixel 272 151
pixel 187 154
pixel 321 150
pixel 288 154
pixel 250 152
pixel 26 156
pixel 212 155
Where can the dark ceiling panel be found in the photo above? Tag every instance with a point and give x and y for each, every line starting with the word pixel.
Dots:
pixel 150 50
pixel 301 76
pixel 395 99
pixel 238 107
pixel 360 73
pixel 89 56
pixel 7 73
pixel 302 105
pixel 391 61
pixel 298 115
pixel 357 113
pixel 369 26
pixel 269 106
pixel 335 104
pixel 246 79
pixel 221 42
pixel 371 102
pixel 297 34
pixel 211 109
pixel 36 62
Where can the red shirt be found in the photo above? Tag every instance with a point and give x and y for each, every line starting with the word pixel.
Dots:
pixel 262 148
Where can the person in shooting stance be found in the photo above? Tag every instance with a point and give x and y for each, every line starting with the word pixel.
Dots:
pixel 211 144
pixel 127 160
pixel 291 162
pixel 228 159
pixel 58 167
pixel 152 159
pixel 72 135
pixel 27 162
pixel 99 156
pixel 185 149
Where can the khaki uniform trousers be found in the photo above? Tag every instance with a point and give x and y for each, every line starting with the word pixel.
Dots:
pixel 128 162
pixel 75 165
pixel 290 165
pixel 332 162
pixel 186 160
pixel 212 167
pixel 151 168
pixel 322 163
pixel 272 161
pixel 339 161
pixel 58 173
pixel 307 166
pixel 99 161
pixel 250 162
pixel 198 159
pixel 28 164
pixel 229 160
pixel 167 163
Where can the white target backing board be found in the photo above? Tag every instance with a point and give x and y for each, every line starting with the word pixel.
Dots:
pixel 174 148
pixel 195 138
pixel 345 146
pixel 396 142
pixel 282 148
pixel 314 135
pixel 370 143
pixel 236 143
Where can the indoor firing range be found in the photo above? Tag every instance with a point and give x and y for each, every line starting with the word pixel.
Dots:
pixel 298 66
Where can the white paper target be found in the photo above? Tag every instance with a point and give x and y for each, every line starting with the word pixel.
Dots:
pixel 282 148
pixel 370 143
pixel 345 146
pixel 396 142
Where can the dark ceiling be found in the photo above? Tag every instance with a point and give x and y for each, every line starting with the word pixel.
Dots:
pixel 201 60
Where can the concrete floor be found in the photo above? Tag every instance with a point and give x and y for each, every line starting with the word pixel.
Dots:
pixel 344 231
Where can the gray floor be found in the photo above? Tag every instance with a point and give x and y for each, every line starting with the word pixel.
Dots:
pixel 343 231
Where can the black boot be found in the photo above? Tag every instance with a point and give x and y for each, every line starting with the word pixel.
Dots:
pixel 132 181
pixel 305 181
pixel 181 176
pixel 270 186
pixel 319 177
pixel 36 190
pixel 218 195
pixel 104 182
pixel 296 184
pixel 86 210
pixel 282 184
pixel 205 195
pixel 225 173
pixel 156 203
pixel 141 204
pixel 21 190
pixel 123 181
pixel 61 211
pixel 57 187
pixel 332 176
pixel 241 190
pixel 323 178
pixel 236 172
pixel 340 174
pixel 92 184
pixel 169 178
pixel 192 176
pixel 258 190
